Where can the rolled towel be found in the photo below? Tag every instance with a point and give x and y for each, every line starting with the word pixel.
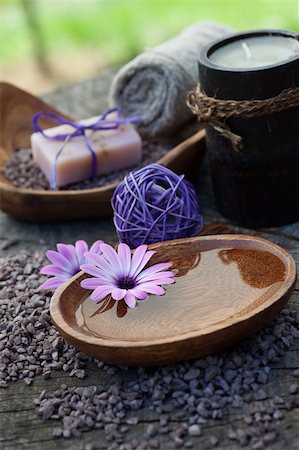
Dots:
pixel 154 84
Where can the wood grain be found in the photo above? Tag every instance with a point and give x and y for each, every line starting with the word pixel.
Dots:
pixel 17 109
pixel 227 287
pixel 22 429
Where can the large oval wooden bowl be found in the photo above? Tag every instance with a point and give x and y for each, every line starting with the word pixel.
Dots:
pixel 17 110
pixel 227 287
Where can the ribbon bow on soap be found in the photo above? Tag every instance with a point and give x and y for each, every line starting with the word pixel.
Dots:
pixel 79 129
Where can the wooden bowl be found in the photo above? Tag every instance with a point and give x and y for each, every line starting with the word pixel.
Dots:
pixel 17 110
pixel 227 287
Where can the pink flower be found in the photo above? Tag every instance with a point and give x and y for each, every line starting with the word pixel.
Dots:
pixel 66 262
pixel 123 276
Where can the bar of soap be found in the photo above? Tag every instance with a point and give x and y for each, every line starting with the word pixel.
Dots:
pixel 114 149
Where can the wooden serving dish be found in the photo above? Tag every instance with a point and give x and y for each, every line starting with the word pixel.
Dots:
pixel 227 287
pixel 17 110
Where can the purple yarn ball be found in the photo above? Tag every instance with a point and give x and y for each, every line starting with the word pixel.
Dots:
pixel 155 204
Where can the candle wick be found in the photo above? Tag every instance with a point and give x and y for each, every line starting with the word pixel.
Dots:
pixel 247 50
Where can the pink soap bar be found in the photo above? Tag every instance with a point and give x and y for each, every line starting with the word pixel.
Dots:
pixel 114 149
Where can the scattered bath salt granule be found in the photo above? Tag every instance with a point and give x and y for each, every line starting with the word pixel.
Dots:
pixel 22 171
pixel 180 395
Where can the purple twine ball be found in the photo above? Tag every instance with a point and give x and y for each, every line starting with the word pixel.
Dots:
pixel 154 204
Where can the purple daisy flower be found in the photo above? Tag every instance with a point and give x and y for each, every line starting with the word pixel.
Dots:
pixel 123 276
pixel 66 262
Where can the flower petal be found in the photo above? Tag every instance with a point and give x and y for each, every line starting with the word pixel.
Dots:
pixel 118 294
pixel 124 254
pixel 140 295
pixel 59 260
pixel 161 281
pixel 81 248
pixel 100 293
pixel 51 269
pixel 92 283
pixel 156 282
pixel 145 260
pixel 138 256
pixel 153 273
pixel 139 259
pixel 95 248
pixel 112 257
pixel 69 252
pixel 130 300
pixel 96 272
pixel 101 263
pixel 52 283
pixel 167 281
pixel 151 288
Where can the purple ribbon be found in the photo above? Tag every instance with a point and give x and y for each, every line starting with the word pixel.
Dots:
pixel 101 123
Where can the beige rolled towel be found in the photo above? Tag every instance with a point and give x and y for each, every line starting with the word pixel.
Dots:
pixel 154 84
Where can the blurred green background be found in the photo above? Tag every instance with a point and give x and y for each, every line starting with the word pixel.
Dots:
pixel 44 43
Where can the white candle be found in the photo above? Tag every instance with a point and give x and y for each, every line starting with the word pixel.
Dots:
pixel 258 51
pixel 114 149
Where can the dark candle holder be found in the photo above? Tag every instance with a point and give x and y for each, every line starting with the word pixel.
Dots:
pixel 258 186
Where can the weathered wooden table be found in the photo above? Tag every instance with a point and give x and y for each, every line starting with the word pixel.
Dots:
pixel 19 424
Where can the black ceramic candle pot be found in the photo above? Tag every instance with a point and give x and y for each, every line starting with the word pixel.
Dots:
pixel 258 186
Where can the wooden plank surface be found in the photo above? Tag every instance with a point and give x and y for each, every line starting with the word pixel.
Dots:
pixel 19 424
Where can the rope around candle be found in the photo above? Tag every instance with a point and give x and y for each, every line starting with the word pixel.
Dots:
pixel 155 204
pixel 215 112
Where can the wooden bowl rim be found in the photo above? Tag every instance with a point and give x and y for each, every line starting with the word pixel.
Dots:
pixel 260 244
pixel 165 160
